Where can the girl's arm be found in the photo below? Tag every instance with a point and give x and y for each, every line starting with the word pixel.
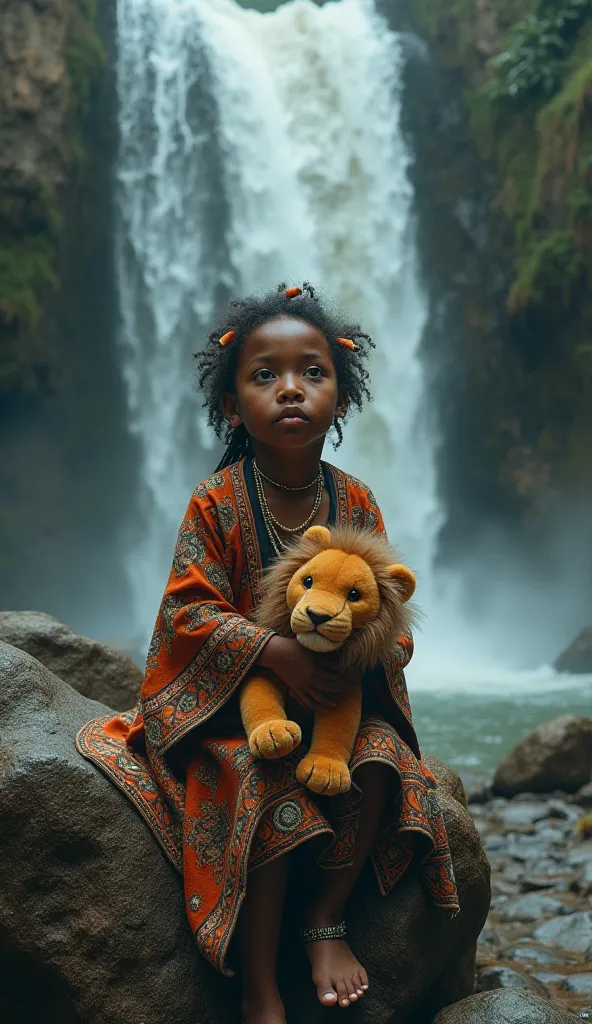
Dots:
pixel 313 679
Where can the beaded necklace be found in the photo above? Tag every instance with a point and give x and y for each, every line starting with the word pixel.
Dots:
pixel 271 523
pixel 284 487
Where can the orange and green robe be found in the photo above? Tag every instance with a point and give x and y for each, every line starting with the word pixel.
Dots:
pixel 181 754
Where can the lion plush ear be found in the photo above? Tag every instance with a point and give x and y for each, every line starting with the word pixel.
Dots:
pixel 404 578
pixel 320 534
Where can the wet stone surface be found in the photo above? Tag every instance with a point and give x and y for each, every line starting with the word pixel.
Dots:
pixel 538 936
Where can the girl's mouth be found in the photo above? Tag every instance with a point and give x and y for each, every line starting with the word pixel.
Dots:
pixel 291 415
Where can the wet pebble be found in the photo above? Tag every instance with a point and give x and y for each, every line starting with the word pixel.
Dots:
pixel 492 977
pixel 531 955
pixel 580 983
pixel 534 883
pixel 580 855
pixel 549 977
pixel 532 907
pixel 572 934
pixel 561 809
pixel 522 813
pixel 584 797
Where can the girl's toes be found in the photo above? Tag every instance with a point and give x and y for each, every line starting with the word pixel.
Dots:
pixel 351 990
pixel 326 993
pixel 342 993
pixel 364 979
pixel 357 980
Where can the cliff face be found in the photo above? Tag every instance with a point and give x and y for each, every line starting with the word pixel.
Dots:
pixel 50 57
pixel 515 99
pixel 62 407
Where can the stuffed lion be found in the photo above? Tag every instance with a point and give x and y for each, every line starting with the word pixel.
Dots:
pixel 339 590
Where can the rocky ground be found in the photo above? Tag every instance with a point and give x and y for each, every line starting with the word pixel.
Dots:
pixel 538 935
pixel 94 880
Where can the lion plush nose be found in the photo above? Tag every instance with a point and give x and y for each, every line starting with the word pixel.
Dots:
pixel 316 619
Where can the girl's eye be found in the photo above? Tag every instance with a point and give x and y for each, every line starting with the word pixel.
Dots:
pixel 307 582
pixel 263 375
pixel 354 595
pixel 315 372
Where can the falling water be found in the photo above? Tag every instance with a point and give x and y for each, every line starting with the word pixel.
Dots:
pixel 256 148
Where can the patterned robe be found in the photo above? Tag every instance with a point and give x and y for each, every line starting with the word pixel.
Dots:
pixel 181 754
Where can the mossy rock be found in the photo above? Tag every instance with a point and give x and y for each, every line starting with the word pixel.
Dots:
pixel 31 221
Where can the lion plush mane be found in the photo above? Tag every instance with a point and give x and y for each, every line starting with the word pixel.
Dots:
pixel 369 644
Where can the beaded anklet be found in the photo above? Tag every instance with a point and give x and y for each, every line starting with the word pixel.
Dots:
pixel 332 931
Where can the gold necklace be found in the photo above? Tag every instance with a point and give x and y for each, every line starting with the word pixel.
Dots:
pixel 270 521
pixel 284 487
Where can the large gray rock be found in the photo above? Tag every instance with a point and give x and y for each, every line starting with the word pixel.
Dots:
pixel 92 923
pixel 95 670
pixel 504 1007
pixel 556 755
pixel 577 658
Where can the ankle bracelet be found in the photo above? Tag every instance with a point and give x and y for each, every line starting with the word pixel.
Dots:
pixel 331 931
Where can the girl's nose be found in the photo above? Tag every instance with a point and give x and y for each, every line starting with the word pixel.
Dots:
pixel 290 388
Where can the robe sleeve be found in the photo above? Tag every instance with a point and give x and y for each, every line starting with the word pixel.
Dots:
pixel 201 647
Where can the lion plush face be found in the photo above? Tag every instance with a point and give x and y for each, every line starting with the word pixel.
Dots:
pixel 330 596
pixel 339 590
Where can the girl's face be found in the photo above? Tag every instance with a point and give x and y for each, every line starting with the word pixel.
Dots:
pixel 286 391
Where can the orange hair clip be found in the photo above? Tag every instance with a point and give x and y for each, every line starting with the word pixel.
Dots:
pixel 291 293
pixel 227 338
pixel 347 343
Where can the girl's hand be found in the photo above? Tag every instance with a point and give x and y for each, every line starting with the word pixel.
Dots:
pixel 311 678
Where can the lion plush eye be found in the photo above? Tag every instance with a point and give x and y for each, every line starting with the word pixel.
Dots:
pixel 354 595
pixel 307 582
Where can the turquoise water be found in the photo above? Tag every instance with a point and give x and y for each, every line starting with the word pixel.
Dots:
pixel 472 731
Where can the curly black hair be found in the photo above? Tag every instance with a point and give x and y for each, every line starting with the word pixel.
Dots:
pixel 217 363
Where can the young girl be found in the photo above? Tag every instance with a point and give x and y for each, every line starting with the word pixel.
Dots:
pixel 277 375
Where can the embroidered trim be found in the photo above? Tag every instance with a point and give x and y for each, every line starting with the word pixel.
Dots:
pixel 247 527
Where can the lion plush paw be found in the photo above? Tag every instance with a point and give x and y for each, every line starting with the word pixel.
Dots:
pixel 275 739
pixel 324 775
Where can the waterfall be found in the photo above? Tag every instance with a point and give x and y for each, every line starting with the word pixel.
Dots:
pixel 255 148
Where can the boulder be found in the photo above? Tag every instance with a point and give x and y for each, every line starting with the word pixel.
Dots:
pixel 577 658
pixel 507 1005
pixel 557 755
pixel 95 670
pixel 92 923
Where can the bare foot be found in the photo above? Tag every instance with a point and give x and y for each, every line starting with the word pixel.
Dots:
pixel 339 978
pixel 263 1008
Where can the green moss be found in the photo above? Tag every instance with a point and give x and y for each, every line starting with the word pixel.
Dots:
pixel 26 273
pixel 85 55
pixel 30 224
pixel 580 204
pixel 547 272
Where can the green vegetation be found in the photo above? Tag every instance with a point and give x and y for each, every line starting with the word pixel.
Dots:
pixel 548 270
pixel 532 60
pixel 85 56
pixel 529 109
